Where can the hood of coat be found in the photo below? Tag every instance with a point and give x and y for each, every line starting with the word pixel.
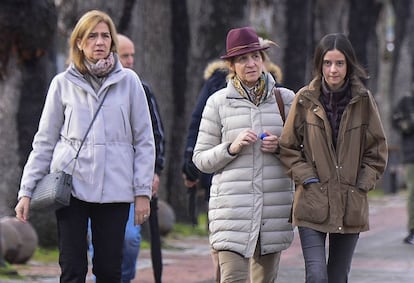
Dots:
pixel 72 74
pixel 214 66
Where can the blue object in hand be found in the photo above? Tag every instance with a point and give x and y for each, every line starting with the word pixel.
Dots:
pixel 263 135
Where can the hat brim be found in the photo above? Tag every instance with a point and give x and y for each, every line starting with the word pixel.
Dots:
pixel 243 51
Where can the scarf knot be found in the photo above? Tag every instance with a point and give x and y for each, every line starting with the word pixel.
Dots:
pixel 102 67
pixel 255 94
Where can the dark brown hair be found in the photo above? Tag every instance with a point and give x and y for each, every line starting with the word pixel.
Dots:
pixel 340 42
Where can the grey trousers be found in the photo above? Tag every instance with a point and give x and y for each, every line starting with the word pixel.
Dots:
pixel 341 250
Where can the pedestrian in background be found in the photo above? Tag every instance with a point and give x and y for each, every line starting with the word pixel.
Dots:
pixel 403 121
pixel 250 197
pixel 215 79
pixel 334 147
pixel 116 164
pixel 132 242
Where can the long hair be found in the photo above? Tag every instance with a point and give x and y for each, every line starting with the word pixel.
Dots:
pixel 340 42
pixel 81 31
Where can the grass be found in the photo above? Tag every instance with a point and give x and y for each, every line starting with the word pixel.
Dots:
pixel 46 255
pixel 7 271
pixel 376 193
pixel 185 230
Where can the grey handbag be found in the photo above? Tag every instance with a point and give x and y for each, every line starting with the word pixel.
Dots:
pixel 54 190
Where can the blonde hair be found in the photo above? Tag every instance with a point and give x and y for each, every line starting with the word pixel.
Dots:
pixel 81 31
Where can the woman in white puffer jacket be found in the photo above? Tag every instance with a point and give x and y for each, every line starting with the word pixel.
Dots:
pixel 251 196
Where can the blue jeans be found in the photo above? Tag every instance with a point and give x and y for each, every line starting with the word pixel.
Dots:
pixel 132 243
pixel 341 250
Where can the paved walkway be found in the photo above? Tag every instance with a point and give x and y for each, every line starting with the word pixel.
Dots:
pixel 380 256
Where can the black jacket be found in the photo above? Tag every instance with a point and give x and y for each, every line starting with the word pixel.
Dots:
pixel 158 129
pixel 215 79
pixel 403 121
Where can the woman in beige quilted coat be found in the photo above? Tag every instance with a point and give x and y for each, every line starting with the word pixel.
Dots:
pixel 250 195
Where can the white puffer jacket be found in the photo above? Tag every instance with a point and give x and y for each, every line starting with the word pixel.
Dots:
pixel 251 195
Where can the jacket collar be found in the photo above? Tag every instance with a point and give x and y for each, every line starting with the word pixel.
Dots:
pixel 313 90
pixel 73 75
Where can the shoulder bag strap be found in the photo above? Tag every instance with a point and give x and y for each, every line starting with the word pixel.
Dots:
pixel 280 103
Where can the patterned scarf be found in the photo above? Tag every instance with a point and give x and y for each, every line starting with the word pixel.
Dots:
pixel 102 67
pixel 255 94
pixel 98 71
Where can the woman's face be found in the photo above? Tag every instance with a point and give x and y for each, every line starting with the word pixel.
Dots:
pixel 248 67
pixel 334 69
pixel 98 43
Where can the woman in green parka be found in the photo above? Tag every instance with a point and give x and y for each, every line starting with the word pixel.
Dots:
pixel 335 148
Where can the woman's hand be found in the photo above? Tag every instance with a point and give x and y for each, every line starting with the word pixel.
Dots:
pixel 270 143
pixel 142 209
pixel 246 137
pixel 22 209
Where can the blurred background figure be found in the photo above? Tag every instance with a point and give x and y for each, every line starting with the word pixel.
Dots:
pixel 132 242
pixel 403 121
pixel 215 79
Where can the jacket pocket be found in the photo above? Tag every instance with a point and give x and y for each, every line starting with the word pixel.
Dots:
pixel 312 203
pixel 356 211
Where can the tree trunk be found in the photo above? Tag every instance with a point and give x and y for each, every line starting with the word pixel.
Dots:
pixel 9 143
pixel 299 45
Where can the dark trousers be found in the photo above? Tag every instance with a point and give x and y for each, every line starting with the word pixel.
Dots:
pixel 156 255
pixel 341 250
pixel 108 229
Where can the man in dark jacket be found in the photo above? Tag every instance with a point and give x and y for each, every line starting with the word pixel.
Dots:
pixel 403 120
pixel 132 240
pixel 215 79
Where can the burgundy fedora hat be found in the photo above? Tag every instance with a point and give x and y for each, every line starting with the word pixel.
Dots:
pixel 241 41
